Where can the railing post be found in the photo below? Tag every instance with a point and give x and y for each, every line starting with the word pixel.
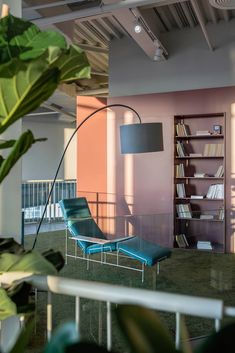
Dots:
pixel 217 325
pixel 77 313
pixel 22 228
pixel 177 329
pixel 109 327
pixel 49 203
pixel 49 315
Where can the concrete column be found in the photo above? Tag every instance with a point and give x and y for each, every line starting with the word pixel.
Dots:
pixel 10 189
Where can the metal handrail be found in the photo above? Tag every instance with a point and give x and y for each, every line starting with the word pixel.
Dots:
pixel 178 304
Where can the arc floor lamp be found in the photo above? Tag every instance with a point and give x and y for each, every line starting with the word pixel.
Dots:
pixel 134 138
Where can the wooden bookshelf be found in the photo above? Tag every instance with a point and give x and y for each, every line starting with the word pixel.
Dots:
pixel 210 165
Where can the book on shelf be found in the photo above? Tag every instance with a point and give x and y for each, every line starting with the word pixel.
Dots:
pixel 213 150
pixel 196 197
pixel 182 130
pixel 206 216
pixel 221 213
pixel 203 133
pixel 215 191
pixel 204 245
pixel 180 149
pixel 180 189
pixel 184 210
pixel 220 172
pixel 195 154
pixel 181 240
pixel 179 170
pixel 199 175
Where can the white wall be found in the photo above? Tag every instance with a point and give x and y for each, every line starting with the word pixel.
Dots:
pixel 41 161
pixel 191 64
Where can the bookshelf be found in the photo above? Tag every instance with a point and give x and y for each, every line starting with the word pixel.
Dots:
pixel 199 175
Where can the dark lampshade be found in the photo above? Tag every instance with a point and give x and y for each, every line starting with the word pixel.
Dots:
pixel 141 138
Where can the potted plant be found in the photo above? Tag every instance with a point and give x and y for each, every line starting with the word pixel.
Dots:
pixel 32 65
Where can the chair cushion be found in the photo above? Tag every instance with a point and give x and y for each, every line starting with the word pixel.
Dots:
pixel 94 248
pixel 143 250
pixel 85 227
pixel 75 208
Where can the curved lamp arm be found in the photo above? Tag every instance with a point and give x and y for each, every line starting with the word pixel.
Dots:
pixel 62 157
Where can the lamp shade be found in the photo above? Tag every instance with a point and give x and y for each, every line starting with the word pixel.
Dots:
pixel 141 138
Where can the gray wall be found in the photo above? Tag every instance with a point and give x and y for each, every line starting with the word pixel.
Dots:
pixel 41 161
pixel 191 64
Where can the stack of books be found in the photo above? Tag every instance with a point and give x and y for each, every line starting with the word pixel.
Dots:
pixel 180 149
pixel 182 129
pixel 202 133
pixel 180 189
pixel 184 210
pixel 220 172
pixel 221 213
pixel 196 197
pixel 195 154
pixel 181 240
pixel 215 191
pixel 206 216
pixel 199 175
pixel 213 150
pixel 204 245
pixel 179 172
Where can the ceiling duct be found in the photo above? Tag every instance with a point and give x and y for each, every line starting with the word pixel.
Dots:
pixel 223 4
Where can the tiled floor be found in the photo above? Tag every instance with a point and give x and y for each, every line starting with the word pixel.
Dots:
pixel 192 272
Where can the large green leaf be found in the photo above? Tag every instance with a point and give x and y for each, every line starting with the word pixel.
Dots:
pixel 32 64
pixel 20 38
pixel 6 144
pixel 23 87
pixel 219 342
pixel 64 336
pixel 7 307
pixel 143 330
pixel 73 64
pixel 22 264
pixel 27 262
pixel 19 148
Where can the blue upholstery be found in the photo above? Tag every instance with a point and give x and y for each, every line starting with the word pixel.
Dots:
pixel 144 251
pixel 80 222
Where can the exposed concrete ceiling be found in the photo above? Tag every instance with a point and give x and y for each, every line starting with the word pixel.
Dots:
pixel 93 24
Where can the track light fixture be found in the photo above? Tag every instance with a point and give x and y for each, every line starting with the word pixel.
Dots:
pixel 159 52
pixel 137 26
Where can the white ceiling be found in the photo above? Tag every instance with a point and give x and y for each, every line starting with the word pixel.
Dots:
pixel 93 24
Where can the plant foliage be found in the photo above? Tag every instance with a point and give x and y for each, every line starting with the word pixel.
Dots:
pixel 32 65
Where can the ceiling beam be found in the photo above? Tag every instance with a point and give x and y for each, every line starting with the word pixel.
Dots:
pixel 93 92
pixel 212 13
pixel 175 16
pixel 187 14
pixel 58 109
pixel 94 48
pixel 50 5
pixel 146 39
pixel 100 10
pixel 201 22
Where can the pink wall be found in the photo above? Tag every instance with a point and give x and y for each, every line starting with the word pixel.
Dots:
pixel 150 183
pixel 91 145
pixel 153 172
